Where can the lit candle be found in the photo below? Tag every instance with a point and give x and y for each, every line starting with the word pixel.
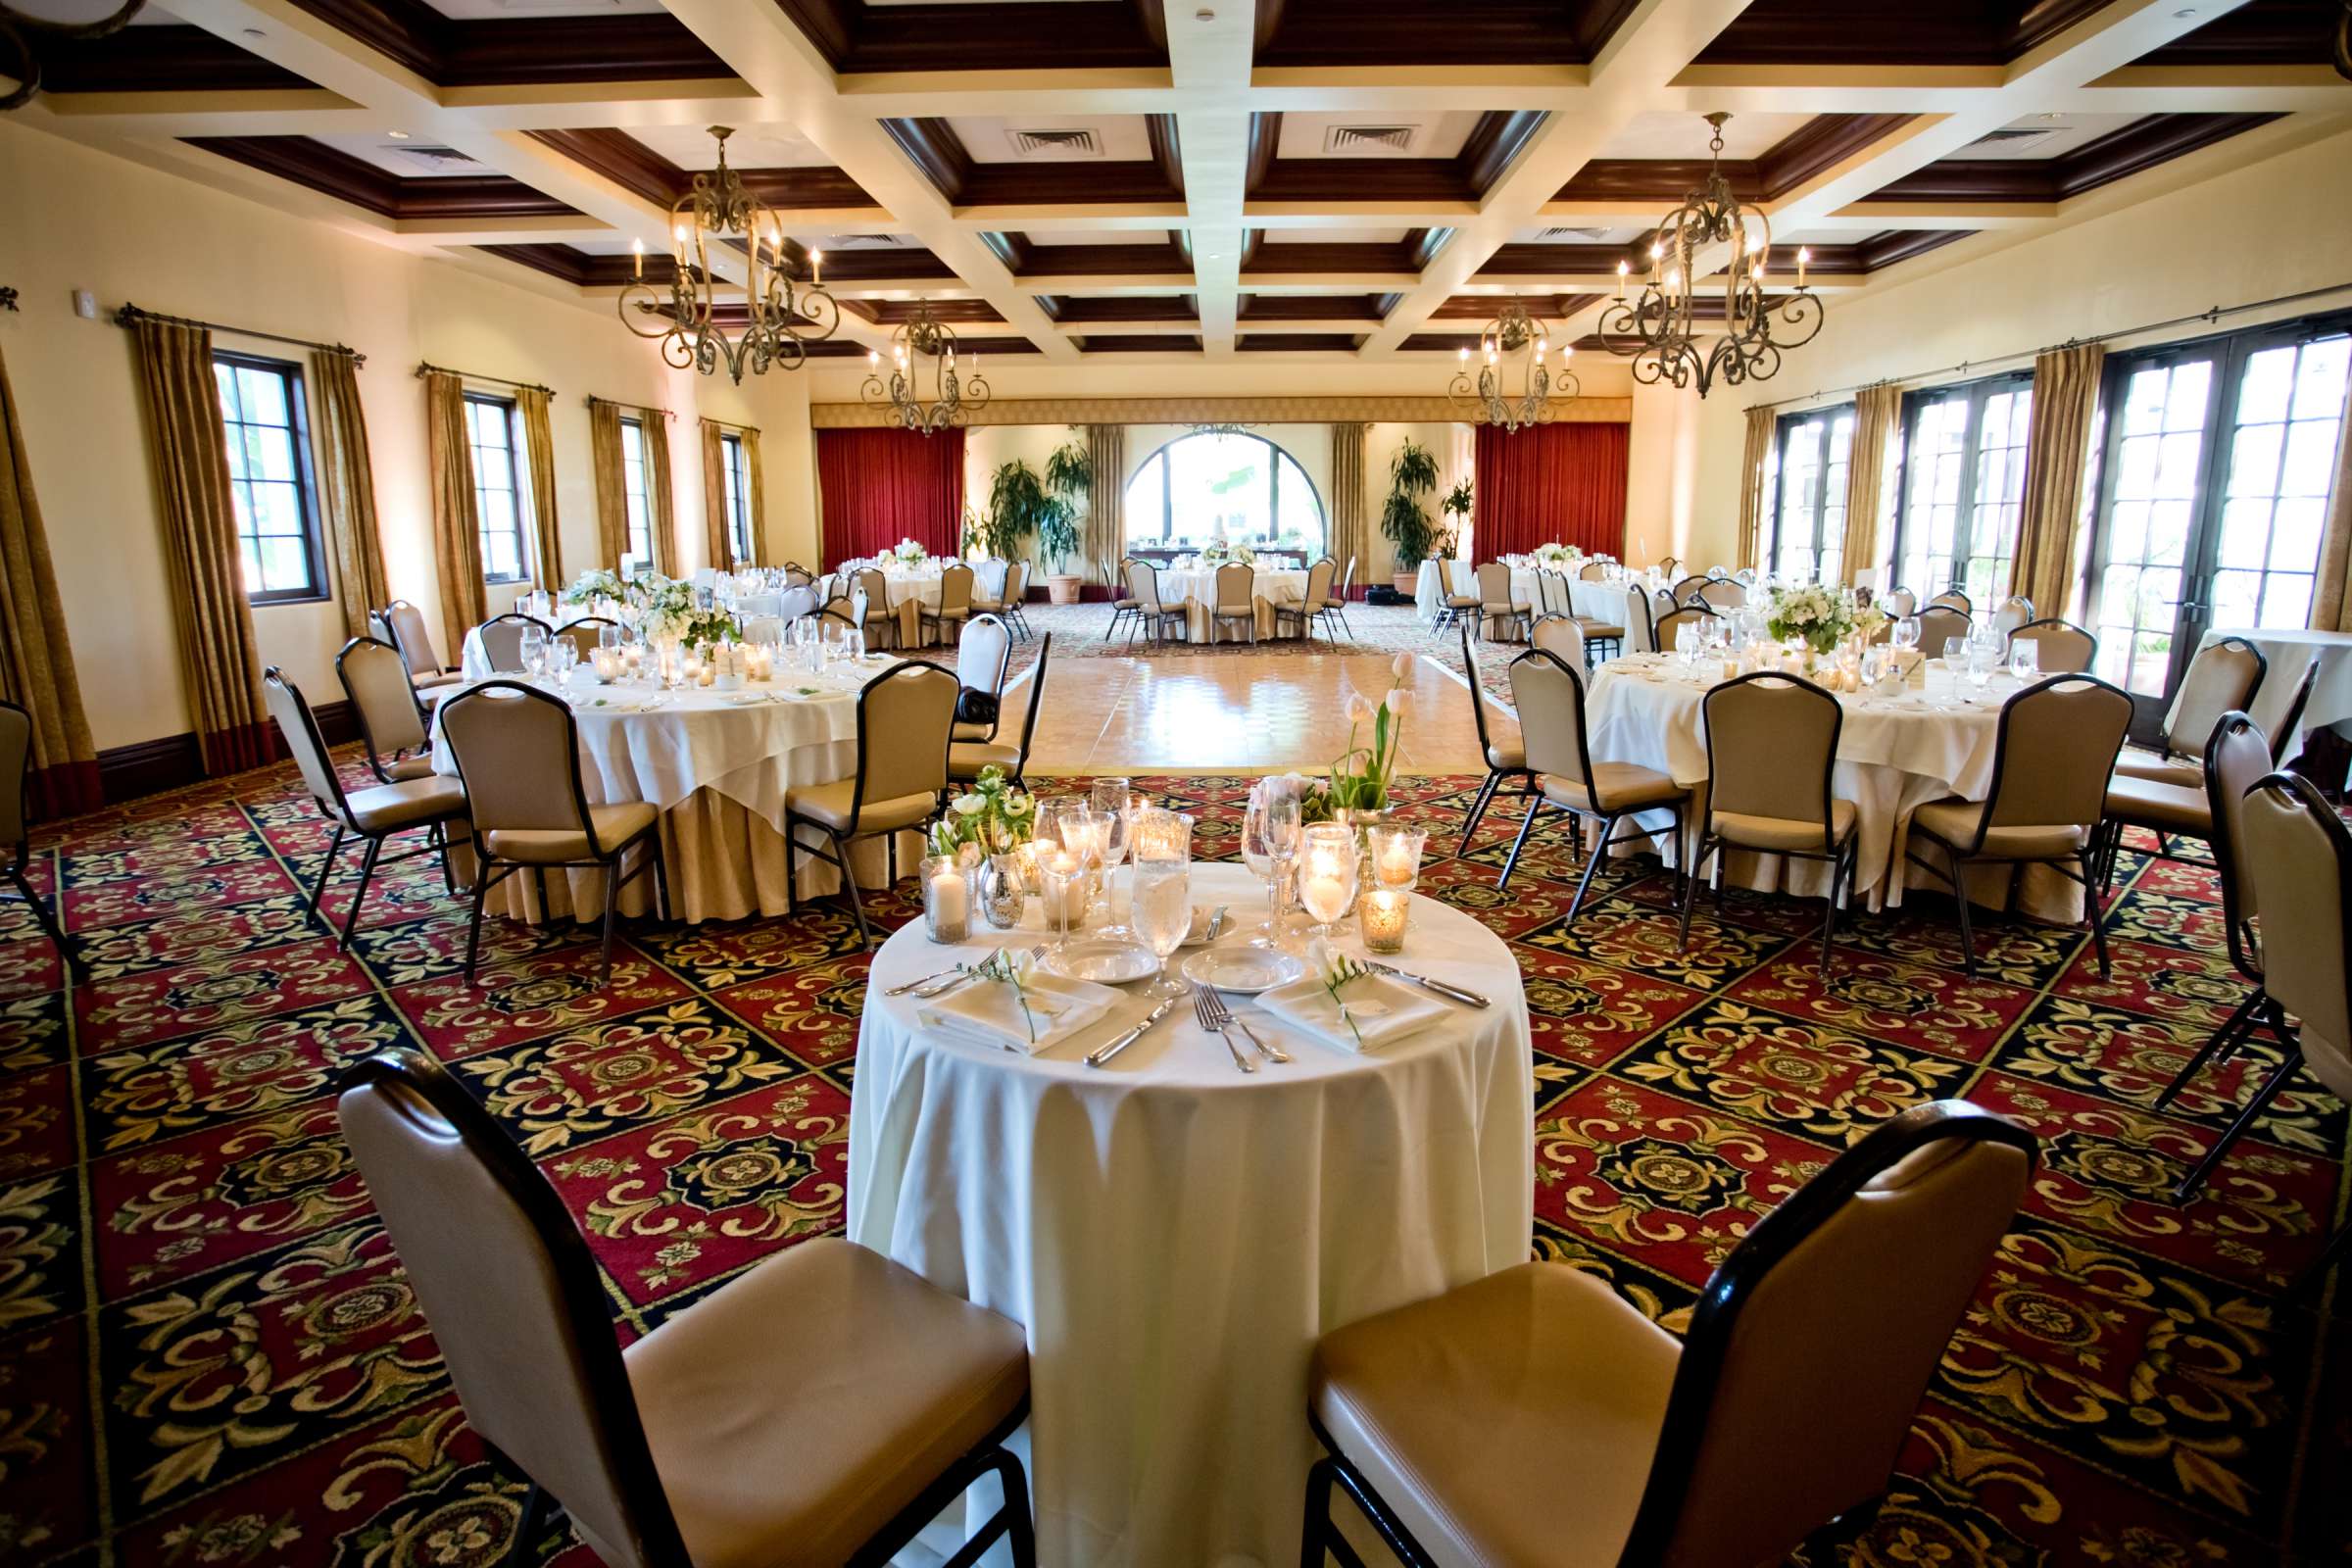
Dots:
pixel 1383 913
pixel 1803 254
pixel 637 259
pixel 1621 270
pixel 946 899
pixel 816 269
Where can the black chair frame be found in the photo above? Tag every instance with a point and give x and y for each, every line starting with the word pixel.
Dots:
pixel 375 759
pixel 1495 777
pixel 838 855
pixel 2112 840
pixel 500 620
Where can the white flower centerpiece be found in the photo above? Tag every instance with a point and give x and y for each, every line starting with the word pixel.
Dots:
pixel 909 553
pixel 1818 616
pixel 670 612
pixel 1558 557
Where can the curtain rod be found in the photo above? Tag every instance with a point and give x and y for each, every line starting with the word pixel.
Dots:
pixel 2209 317
pixel 428 367
pixel 742 429
pixel 131 315
pixel 592 400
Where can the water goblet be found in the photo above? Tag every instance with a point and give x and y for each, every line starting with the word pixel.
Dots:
pixel 1904 633
pixel 1271 828
pixel 1327 859
pixel 1955 653
pixel 1163 914
pixel 2025 660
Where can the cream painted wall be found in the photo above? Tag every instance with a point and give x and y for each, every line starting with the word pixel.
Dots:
pixel 175 247
pixel 2277 228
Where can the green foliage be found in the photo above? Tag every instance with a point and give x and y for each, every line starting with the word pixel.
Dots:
pixel 1019 505
pixel 1070 475
pixel 1404 521
pixel 1456 504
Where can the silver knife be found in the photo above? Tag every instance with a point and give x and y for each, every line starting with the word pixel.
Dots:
pixel 1104 1054
pixel 1469 999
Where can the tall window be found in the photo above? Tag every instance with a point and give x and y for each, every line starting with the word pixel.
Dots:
pixel 491 426
pixel 737 475
pixel 640 554
pixel 269 477
pixel 1808 490
pixel 1223 484
pixel 1963 482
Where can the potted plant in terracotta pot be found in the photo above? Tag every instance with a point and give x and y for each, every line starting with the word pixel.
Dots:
pixel 1069 480
pixel 1404 521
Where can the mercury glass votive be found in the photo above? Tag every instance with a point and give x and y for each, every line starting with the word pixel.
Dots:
pixel 1381 914
pixel 947 899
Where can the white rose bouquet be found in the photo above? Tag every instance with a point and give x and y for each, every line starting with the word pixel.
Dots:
pixel 599 582
pixel 911 554
pixel 1820 616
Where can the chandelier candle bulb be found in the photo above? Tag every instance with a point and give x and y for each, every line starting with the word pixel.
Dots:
pixel 637 259
pixel 816 267
pixel 1803 254
pixel 1621 268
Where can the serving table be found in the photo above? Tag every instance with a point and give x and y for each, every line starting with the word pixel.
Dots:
pixel 1176 1234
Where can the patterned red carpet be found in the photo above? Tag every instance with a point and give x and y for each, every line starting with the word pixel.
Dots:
pixel 208 1355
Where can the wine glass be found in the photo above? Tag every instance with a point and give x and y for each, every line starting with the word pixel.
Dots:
pixel 533 646
pixel 1163 892
pixel 1685 642
pixel 1327 873
pixel 1110 799
pixel 2025 660
pixel 1270 833
pixel 1905 632
pixel 1955 653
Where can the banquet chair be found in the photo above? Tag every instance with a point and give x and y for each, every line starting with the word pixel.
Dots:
pixel 1641 633
pixel 518 749
pixel 501 640
pixel 954 605
pixel 1233 596
pixel 1506 761
pixel 1593 572
pixel 1675 620
pixel 692 1445
pixel 1563 637
pixel 1152 615
pixel 1782 1406
pixel 1016 599
pixel 16 763
pixel 2171 810
pixel 1122 598
pixel 983 656
pixel 392 725
pixel 1954 599
pixel 1722 593
pixel 371 815
pixel 2223 676
pixel 1671 565
pixel 1551 594
pixel 587 634
pixel 1455 604
pixel 878 617
pixel 405 629
pixel 1682 591
pixel 906 718
pixel 2051 757
pixel 843 611
pixel 1772 787
pixel 2015 610
pixel 1939 624
pixel 1550 695
pixel 797 575
pixel 1314 603
pixel 2065 648
pixel 1901 602
pixel 988 602
pixel 1496 601
pixel 1335 609
pixel 1008 749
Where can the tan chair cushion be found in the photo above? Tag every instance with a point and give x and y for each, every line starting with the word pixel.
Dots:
pixel 829 1338
pixel 1597 630
pixel 1781 832
pixel 384 808
pixel 971 732
pixel 1620 785
pixel 1463 602
pixel 833 805
pixel 1467 1411
pixel 614 826
pixel 408 767
pixel 2159 769
pixel 447 677
pixel 965 759
pixel 1505 758
pixel 1955 823
pixel 2174 808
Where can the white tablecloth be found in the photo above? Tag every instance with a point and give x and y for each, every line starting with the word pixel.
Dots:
pixel 1195 588
pixel 1594 600
pixel 1176 1236
pixel 1894 755
pixel 2290 653
pixel 717 765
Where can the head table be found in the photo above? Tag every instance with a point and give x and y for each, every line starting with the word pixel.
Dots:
pixel 1176 1234
pixel 1194 588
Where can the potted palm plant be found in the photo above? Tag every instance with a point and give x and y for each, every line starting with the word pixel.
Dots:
pixel 1069 481
pixel 1403 520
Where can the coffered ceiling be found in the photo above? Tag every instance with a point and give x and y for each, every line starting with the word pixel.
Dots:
pixel 1329 179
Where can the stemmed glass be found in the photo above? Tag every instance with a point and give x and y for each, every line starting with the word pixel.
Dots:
pixel 1905 632
pixel 1327 873
pixel 533 646
pixel 1163 892
pixel 1110 799
pixel 1270 832
pixel 2025 660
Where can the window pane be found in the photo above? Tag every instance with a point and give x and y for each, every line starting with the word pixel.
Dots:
pixel 261 408
pixel 1223 485
pixel 263 394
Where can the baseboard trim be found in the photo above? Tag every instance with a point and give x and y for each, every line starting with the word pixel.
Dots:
pixel 174 762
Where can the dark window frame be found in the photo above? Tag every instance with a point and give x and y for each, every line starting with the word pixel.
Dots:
pixel 1978 393
pixel 632 428
pixel 1281 455
pixel 522 534
pixel 736 492
pixel 1782 428
pixel 306 482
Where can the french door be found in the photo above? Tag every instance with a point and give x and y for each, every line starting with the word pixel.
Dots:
pixel 1963 487
pixel 2215 474
pixel 1808 536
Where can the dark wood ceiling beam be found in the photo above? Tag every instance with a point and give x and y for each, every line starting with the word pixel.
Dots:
pixel 1083 309
pixel 579 267
pixel 1086 35
pixel 1820 145
pixel 1161 131
pixel 1316 256
pixel 1070 184
pixel 1102 261
pixel 1814 148
pixel 165 58
pixel 320 167
pixel 1297 342
pixel 621 158
pixel 1917 33
pixel 1265 135
pixel 1410 33
pixel 933 147
pixel 1139 343
pixel 889 313
pixel 652 46
pixel 2122 152
pixel 891 264
pixel 1496 139
pixel 2261 32
pixel 1314 307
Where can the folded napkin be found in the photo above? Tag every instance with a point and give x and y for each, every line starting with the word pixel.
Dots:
pixel 988 1012
pixel 1383 1011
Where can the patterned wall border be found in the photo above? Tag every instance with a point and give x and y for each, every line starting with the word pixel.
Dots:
pixel 1217 411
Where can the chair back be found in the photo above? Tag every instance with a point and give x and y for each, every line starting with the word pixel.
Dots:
pixel 1641 636
pixel 797 575
pixel 2292 721
pixel 517 752
pixel 1561 635
pixel 1017 584
pixel 1235 588
pixel 2053 753
pixel 1671 565
pixel 1550 694
pixel 1478 691
pixel 2224 674
pixel 1027 695
pixel 375 678
pixel 2235 760
pixel 1347 582
pixel 848 612
pixel 1142 585
pixel 2014 611
pixel 1593 572
pixel 2301 855
pixel 15 756
pixel 1722 593
pixel 1675 620
pixel 1683 590
pixel 300 729
pixel 1495 586
pixel 1745 576
pixel 1318 583
pixel 955 588
pixel 905 717
pixel 1662 602
pixel 1772 750
pixel 1827 1319
pixel 1553 589
pixel 1954 599
pixel 512 1295
pixel 2066 648
pixel 1939 624
pixel 501 640
pixel 874 583
pixel 586 634
pixel 983 654
pixel 409 635
pixel 860 608
pixel 1901 602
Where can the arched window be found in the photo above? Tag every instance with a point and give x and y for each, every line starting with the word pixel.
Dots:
pixel 1223 484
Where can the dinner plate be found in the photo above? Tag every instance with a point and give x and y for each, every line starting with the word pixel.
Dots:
pixel 1105 963
pixel 1243 971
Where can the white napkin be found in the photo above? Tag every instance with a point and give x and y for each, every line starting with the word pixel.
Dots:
pixel 988 1012
pixel 1382 1009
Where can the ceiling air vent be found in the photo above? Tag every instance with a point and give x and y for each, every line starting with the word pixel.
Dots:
pixel 1055 144
pixel 1584 235
pixel 429 160
pixel 1369 141
pixel 2019 139
pixel 864 242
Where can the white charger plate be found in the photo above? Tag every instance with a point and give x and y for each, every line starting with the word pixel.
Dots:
pixel 1102 960
pixel 1243 971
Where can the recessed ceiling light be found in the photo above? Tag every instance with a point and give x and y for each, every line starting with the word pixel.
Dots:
pixel 396 136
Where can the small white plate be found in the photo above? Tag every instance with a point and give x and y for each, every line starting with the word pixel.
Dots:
pixel 1105 963
pixel 1243 971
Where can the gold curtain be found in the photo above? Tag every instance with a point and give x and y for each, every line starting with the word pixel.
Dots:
pixel 661 521
pixel 1104 542
pixel 539 453
pixel 714 495
pixel 37 655
pixel 1875 410
pixel 347 489
pixel 2330 600
pixel 219 659
pixel 750 468
pixel 1350 536
pixel 1754 457
pixel 2066 402
pixel 457 520
pixel 612 493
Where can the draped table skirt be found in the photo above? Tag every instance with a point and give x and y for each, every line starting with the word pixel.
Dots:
pixel 1196 591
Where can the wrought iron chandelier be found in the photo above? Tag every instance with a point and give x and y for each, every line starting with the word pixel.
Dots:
pixel 1662 330
pixel 927 390
pixel 781 320
pixel 1513 386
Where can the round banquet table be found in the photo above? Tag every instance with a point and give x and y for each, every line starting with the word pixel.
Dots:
pixel 1895 753
pixel 2289 650
pixel 1197 588
pixel 1176 1236
pixel 1598 600
pixel 717 765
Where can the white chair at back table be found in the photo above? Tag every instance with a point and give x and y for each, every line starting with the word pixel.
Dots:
pixel 1640 633
pixel 878 617
pixel 1016 731
pixel 1938 625
pixel 2062 647
pixel 1901 602
pixel 2014 611
pixel 404 628
pixel 1594 572
pixel 1233 596
pixel 983 656
pixel 1563 638
pixel 1722 593
pixel 1954 599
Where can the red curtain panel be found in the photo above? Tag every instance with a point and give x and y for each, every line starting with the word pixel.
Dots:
pixel 1551 482
pixel 879 487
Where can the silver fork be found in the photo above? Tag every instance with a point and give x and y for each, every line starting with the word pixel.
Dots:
pixel 1205 1007
pixel 1225 1019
